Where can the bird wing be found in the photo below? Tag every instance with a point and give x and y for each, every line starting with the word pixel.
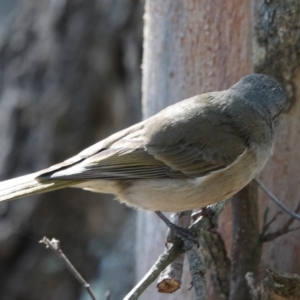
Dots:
pixel 161 147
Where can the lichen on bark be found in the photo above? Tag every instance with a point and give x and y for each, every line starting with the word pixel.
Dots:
pixel 276 42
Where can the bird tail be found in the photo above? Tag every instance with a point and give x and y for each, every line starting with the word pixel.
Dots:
pixel 28 185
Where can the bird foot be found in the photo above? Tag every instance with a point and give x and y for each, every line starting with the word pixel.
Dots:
pixel 184 234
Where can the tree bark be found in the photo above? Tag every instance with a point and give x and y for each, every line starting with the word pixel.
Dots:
pixel 69 76
pixel 276 52
pixel 246 249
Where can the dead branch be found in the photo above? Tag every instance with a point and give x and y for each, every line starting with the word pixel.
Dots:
pixel 266 223
pixel 267 237
pixel 277 201
pixel 169 280
pixel 54 245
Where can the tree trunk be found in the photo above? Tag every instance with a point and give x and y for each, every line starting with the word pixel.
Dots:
pixel 69 76
pixel 276 52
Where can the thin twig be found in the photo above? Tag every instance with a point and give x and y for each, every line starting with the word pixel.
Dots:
pixel 54 245
pixel 277 201
pixel 162 262
pixel 267 224
pixel 203 223
pixel 265 216
pixel 273 235
pixel 264 237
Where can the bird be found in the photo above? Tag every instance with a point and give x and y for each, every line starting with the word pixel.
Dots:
pixel 194 153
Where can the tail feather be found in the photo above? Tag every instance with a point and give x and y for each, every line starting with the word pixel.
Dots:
pixel 27 185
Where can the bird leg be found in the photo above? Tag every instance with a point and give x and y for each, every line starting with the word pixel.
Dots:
pixel 184 234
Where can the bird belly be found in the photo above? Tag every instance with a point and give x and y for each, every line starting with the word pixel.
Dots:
pixel 176 195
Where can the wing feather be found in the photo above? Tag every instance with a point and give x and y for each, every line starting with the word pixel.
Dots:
pixel 161 147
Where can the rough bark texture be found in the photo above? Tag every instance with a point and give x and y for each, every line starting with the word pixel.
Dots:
pixel 190 47
pixel 276 52
pixel 276 45
pixel 69 76
pixel 245 254
pixel 217 262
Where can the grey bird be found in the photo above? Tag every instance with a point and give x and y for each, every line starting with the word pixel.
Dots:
pixel 194 153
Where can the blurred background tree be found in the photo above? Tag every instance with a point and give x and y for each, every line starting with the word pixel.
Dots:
pixel 69 76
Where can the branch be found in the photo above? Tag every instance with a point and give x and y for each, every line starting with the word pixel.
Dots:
pixel 264 237
pixel 197 269
pixel 266 223
pixel 245 250
pixel 203 223
pixel 54 245
pixel 190 240
pixel 276 200
pixel 162 262
pixel 215 255
pixel 169 280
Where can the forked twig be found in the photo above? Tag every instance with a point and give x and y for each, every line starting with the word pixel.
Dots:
pixel 267 237
pixel 277 201
pixel 54 245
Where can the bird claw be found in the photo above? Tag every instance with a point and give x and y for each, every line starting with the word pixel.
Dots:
pixel 187 236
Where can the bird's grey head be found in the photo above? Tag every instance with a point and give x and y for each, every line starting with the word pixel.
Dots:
pixel 263 90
